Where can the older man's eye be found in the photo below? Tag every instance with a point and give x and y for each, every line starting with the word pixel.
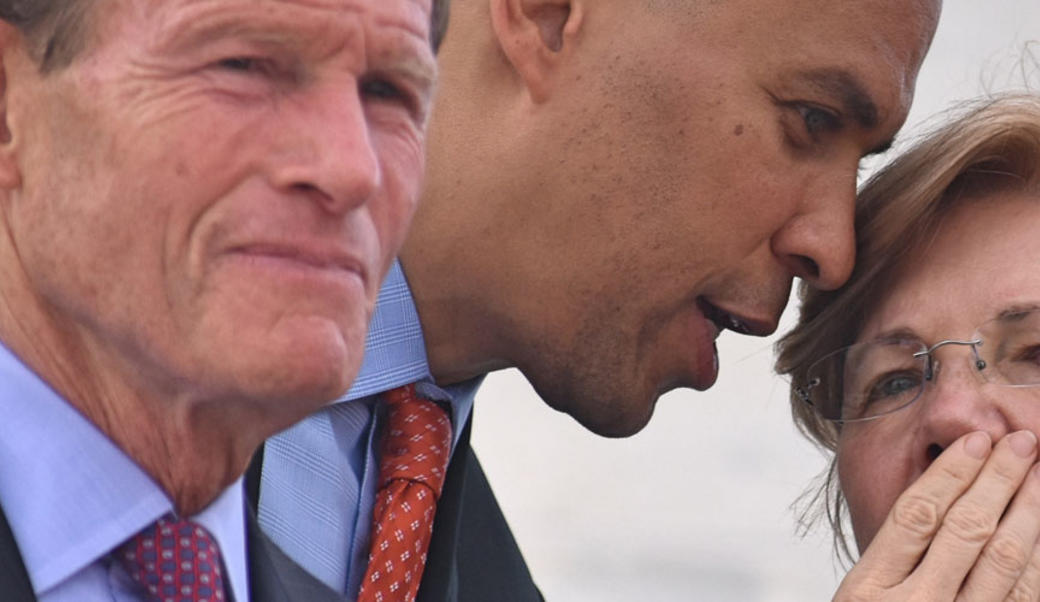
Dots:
pixel 237 63
pixel 381 89
pixel 386 92
pixel 244 64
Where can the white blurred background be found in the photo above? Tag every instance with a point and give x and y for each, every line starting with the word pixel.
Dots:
pixel 698 505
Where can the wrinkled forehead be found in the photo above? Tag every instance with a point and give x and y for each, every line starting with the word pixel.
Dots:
pixel 402 27
pixel 977 265
pixel 412 15
pixel 334 5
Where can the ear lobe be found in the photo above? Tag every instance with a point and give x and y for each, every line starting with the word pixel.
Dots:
pixel 535 36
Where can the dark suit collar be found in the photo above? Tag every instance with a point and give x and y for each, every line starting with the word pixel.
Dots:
pixel 14 579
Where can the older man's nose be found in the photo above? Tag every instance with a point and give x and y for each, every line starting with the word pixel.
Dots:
pixel 333 157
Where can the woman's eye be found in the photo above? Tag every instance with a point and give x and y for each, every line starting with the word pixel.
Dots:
pixel 1031 354
pixel 889 386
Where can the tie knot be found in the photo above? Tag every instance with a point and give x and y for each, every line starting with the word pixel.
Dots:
pixel 414 459
pixel 417 440
pixel 174 559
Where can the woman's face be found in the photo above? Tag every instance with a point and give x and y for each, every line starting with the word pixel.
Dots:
pixel 984 263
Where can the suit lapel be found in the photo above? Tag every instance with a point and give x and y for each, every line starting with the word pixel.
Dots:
pixel 274 577
pixel 473 555
pixel 440 581
pixel 14 579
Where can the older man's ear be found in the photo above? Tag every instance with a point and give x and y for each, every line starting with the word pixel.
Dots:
pixel 536 36
pixel 11 49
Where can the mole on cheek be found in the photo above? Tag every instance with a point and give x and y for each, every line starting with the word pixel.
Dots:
pixel 737 131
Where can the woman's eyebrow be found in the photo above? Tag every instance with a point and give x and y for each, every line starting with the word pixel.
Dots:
pixel 1016 311
pixel 901 333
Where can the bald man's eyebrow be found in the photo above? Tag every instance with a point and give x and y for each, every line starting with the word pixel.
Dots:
pixel 842 85
pixel 851 94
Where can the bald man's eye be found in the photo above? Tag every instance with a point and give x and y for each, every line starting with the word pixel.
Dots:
pixel 818 121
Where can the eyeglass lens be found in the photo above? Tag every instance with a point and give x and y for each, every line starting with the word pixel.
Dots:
pixel 872 379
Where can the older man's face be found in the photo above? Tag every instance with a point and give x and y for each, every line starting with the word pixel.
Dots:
pixel 212 192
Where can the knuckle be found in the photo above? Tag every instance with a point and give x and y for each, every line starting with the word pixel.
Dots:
pixel 1029 493
pixel 859 585
pixel 970 523
pixel 859 595
pixel 1022 593
pixel 963 475
pixel 916 514
pixel 1007 554
pixel 1008 473
pixel 1027 588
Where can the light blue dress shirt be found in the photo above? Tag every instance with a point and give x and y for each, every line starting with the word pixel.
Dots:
pixel 71 496
pixel 319 477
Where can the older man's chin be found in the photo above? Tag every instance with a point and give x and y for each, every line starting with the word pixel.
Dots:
pixel 294 371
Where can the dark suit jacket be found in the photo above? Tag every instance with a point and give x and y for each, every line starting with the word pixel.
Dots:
pixel 272 576
pixel 473 556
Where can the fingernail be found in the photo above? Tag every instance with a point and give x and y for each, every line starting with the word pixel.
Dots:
pixel 977 445
pixel 1023 443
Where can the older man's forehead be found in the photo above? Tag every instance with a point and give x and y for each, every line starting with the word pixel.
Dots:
pixel 405 6
pixel 412 10
pixel 409 16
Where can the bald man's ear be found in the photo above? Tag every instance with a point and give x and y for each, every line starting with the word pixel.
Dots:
pixel 536 35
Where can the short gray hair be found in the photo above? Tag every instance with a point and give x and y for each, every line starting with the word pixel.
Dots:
pixel 54 29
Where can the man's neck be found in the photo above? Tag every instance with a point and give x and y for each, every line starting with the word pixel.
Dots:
pixel 193 450
pixel 461 334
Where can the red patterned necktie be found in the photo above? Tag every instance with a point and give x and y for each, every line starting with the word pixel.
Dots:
pixel 176 560
pixel 414 457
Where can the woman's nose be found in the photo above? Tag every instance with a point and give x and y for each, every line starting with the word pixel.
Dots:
pixel 955 401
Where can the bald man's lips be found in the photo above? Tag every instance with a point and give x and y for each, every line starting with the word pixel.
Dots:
pixel 705 364
pixel 714 320
pixel 731 320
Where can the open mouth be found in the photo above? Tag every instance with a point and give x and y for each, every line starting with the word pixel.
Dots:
pixel 722 319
